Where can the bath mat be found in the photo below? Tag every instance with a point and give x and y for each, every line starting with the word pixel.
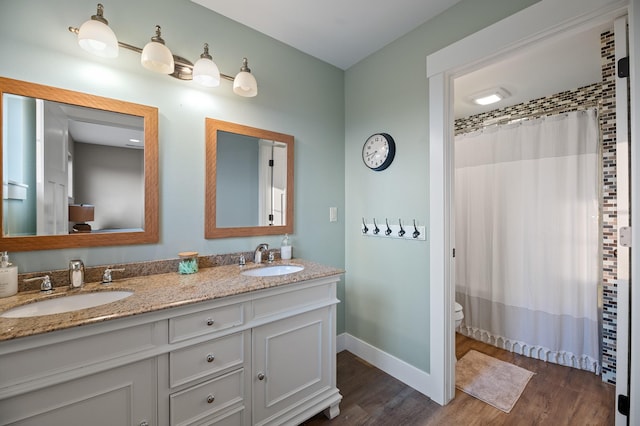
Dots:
pixel 498 383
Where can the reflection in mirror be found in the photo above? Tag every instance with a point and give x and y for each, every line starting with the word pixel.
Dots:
pixel 249 181
pixel 91 164
pixel 78 170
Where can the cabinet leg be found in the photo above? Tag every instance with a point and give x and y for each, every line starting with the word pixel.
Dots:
pixel 332 411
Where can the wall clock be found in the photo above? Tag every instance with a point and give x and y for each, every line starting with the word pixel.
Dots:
pixel 378 151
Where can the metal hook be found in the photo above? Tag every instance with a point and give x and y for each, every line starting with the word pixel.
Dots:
pixel 416 233
pixel 388 231
pixel 401 232
pixel 364 229
pixel 376 230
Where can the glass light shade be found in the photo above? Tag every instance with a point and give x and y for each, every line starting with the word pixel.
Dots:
pixel 206 73
pixel 97 38
pixel 157 57
pixel 245 84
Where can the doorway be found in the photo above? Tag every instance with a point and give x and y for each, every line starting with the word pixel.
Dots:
pixel 538 230
pixel 546 20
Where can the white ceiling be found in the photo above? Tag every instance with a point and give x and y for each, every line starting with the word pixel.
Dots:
pixel 89 125
pixel 545 69
pixel 343 33
pixel 339 32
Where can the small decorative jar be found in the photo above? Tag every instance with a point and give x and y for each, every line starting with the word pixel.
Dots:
pixel 188 262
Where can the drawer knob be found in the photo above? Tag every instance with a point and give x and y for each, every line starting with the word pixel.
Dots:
pixel 210 358
pixel 209 321
pixel 210 399
pixel 261 376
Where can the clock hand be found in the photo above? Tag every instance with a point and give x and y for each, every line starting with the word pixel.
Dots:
pixel 373 153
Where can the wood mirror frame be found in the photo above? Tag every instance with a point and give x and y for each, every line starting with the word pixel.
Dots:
pixel 212 127
pixel 150 115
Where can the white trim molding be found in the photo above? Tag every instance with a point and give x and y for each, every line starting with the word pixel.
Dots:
pixel 395 367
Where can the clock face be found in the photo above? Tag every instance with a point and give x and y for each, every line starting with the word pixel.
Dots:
pixel 378 151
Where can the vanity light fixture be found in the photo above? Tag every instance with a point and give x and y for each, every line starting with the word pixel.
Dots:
pixel 156 56
pixel 95 36
pixel 490 96
pixel 205 71
pixel 245 83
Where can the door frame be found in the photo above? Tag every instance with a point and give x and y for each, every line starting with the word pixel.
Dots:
pixel 543 21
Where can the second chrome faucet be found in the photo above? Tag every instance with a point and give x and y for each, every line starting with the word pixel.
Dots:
pixel 257 254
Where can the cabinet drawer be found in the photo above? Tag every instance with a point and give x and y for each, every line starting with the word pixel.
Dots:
pixel 56 359
pixel 290 300
pixel 206 399
pixel 206 358
pixel 203 322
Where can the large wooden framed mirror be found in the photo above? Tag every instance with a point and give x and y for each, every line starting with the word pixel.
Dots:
pixel 249 181
pixel 78 170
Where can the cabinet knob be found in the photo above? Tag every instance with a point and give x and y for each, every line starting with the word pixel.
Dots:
pixel 210 358
pixel 261 376
pixel 210 321
pixel 210 399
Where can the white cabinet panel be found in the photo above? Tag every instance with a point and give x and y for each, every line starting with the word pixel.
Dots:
pixel 291 362
pixel 121 396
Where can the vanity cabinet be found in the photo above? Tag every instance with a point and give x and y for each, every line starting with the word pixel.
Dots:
pixel 92 379
pixel 208 381
pixel 292 363
pixel 265 357
pixel 120 396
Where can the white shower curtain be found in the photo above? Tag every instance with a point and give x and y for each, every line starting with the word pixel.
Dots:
pixel 528 237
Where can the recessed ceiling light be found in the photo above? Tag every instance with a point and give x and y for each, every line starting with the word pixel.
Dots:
pixel 490 96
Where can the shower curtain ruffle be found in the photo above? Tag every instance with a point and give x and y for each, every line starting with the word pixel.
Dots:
pixel 568 359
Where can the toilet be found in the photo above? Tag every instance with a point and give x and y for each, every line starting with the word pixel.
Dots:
pixel 458 315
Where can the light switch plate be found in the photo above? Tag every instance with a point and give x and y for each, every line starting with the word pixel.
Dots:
pixel 333 214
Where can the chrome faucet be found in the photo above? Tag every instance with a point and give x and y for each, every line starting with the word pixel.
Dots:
pixel 45 284
pixel 106 276
pixel 76 274
pixel 257 255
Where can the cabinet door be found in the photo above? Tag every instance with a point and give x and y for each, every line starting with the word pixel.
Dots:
pixel 291 363
pixel 121 396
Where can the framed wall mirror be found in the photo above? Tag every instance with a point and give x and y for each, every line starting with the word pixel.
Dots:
pixel 249 181
pixel 78 170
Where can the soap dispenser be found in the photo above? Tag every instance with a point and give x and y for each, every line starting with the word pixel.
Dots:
pixel 285 248
pixel 8 276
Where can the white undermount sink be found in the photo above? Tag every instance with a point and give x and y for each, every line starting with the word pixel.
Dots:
pixel 272 271
pixel 58 305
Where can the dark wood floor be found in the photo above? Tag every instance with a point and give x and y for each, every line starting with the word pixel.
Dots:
pixel 556 395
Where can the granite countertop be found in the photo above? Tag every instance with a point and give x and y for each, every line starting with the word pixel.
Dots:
pixel 151 293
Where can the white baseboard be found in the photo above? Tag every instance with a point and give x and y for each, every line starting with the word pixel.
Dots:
pixel 341 342
pixel 395 367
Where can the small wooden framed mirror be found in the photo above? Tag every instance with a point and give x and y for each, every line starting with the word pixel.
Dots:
pixel 249 181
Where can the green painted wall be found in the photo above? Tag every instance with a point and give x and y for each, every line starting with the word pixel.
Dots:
pixel 387 289
pixel 330 113
pixel 298 95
